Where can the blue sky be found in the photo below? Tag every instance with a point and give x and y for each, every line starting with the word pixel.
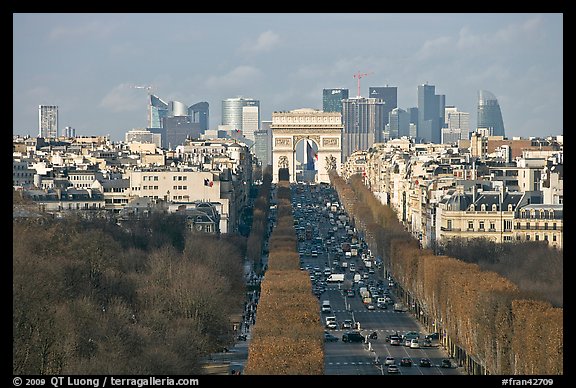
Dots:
pixel 87 63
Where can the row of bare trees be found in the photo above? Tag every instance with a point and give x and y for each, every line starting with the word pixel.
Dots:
pixel 287 338
pixel 508 330
pixel 92 298
pixel 259 228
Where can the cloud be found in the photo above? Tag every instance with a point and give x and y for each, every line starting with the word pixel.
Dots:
pixel 93 29
pixel 239 76
pixel 266 41
pixel 123 98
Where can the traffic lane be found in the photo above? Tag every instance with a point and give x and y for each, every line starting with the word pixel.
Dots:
pixel 348 359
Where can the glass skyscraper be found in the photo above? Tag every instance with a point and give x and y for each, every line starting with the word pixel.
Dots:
pixel 232 111
pixel 157 110
pixel 332 99
pixel 389 94
pixel 430 114
pixel 489 114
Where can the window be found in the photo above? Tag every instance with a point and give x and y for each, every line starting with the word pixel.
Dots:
pixel 470 225
pixel 527 226
pixel 481 225
pixel 449 225
pixel 527 237
pixel 492 225
pixel 517 225
pixel 553 237
pixel 537 237
pixel 553 226
pixel 156 177
pixel 545 226
pixel 507 238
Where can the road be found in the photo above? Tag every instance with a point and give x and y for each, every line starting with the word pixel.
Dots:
pixel 323 248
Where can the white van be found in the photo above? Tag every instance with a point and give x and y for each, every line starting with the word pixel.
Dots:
pixel 326 306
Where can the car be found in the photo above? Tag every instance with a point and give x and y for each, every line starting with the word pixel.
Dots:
pixel 425 362
pixel 414 344
pixel 350 293
pixel 346 324
pixel 353 336
pixel 382 306
pixel 395 340
pixel 393 369
pixel 432 336
pixel 370 306
pixel 406 361
pixel 426 343
pixel 445 363
pixel 390 361
pixel 328 337
pixel 406 342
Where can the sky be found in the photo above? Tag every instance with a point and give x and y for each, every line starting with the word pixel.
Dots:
pixel 88 63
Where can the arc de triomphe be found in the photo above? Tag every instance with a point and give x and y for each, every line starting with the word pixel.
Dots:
pixel 322 128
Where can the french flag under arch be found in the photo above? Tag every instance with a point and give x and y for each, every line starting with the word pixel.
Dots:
pixel 312 156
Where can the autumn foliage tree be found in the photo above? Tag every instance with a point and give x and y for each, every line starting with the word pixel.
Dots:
pixel 287 338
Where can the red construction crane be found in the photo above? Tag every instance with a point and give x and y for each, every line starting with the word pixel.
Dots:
pixel 359 76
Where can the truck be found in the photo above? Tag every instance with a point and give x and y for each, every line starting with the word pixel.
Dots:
pixel 335 277
pixel 364 293
pixel 357 277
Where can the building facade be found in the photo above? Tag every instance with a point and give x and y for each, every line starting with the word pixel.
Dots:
pixel 363 123
pixel 388 94
pixel 332 99
pixel 489 114
pixel 48 121
pixel 430 114
pixel 233 110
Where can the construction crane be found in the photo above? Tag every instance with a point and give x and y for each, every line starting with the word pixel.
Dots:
pixel 147 87
pixel 360 76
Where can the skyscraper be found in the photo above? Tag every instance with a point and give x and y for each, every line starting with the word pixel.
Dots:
pixel 363 124
pixel 157 110
pixel 232 111
pixel 389 94
pixel 457 123
pixel 332 99
pixel 200 114
pixel 430 114
pixel 399 123
pixel 48 121
pixel 489 114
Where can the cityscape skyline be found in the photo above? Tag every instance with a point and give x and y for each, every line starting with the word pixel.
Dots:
pixel 284 67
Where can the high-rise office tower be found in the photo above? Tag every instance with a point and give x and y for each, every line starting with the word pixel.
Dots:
pixel 48 121
pixel 457 122
pixel 398 123
pixel 363 124
pixel 175 122
pixel 430 114
pixel 157 110
pixel 332 99
pixel 489 114
pixel 200 113
pixel 389 94
pixel 232 111
pixel 250 116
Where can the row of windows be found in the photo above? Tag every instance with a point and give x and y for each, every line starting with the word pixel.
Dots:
pixel 22 174
pixel 536 237
pixel 150 178
pixel 179 177
pixel 180 187
pixel 81 177
pixel 544 214
pixel 537 226
pixel 149 187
